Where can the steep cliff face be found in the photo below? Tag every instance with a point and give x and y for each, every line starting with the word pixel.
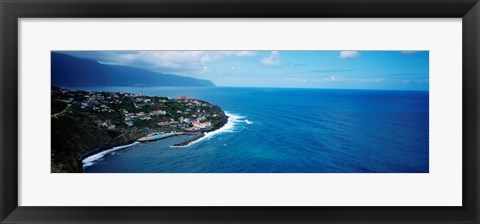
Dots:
pixel 69 140
pixel 73 139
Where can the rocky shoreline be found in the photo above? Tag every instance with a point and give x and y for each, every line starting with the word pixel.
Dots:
pixel 127 140
pixel 188 141
pixel 202 134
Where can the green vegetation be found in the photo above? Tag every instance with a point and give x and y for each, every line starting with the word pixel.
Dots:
pixel 85 122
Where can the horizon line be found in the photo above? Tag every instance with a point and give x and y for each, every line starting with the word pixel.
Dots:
pixel 270 87
pixel 283 87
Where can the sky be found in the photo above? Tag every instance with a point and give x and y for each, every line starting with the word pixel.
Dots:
pixel 393 70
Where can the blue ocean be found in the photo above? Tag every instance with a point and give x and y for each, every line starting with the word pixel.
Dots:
pixel 283 130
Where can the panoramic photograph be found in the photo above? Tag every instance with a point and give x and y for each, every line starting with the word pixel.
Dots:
pixel 285 111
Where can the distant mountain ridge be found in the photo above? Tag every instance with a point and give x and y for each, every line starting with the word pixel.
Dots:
pixel 69 71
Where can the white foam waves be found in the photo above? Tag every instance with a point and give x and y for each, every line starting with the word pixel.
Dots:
pixel 227 127
pixel 91 159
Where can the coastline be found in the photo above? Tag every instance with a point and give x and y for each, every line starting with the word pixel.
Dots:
pixel 89 158
pixel 226 126
pixel 99 121
pixel 190 140
pixel 88 161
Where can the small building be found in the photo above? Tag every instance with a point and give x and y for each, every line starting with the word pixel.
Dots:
pixel 157 112
pixel 205 124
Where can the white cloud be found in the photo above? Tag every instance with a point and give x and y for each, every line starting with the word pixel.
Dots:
pixel 272 60
pixel 347 79
pixel 348 54
pixel 164 61
pixel 331 78
pixel 374 80
pixel 415 81
pixel 177 62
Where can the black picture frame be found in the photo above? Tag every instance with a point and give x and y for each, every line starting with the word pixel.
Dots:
pixel 12 10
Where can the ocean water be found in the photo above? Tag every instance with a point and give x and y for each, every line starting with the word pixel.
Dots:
pixel 280 130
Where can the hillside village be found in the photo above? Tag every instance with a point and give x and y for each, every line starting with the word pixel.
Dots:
pixel 117 111
pixel 87 122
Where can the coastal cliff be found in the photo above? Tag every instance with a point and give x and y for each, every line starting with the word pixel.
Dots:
pixel 85 122
pixel 73 139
